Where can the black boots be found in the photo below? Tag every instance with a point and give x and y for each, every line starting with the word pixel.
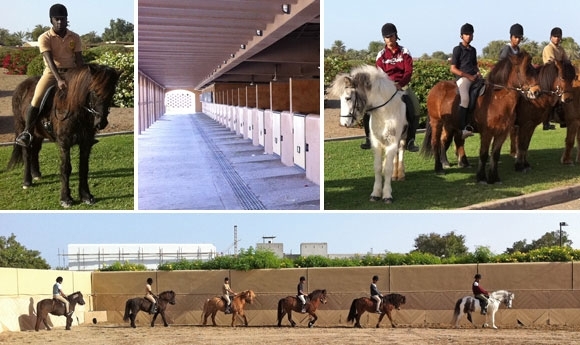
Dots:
pixel 153 309
pixel 366 122
pixel 25 138
pixel 228 309
pixel 462 113
pixel 411 124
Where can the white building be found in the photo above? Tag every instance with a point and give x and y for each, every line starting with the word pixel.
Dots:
pixel 88 257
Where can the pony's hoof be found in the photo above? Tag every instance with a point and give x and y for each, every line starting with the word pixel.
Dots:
pixel 375 198
pixel 388 200
pixel 25 186
pixel 89 201
pixel 66 203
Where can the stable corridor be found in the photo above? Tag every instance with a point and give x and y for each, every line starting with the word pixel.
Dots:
pixel 191 162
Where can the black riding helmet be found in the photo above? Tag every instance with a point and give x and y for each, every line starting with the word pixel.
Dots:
pixel 57 10
pixel 149 280
pixel 477 276
pixel 517 30
pixel 59 280
pixel 389 29
pixel 556 32
pixel 375 278
pixel 466 29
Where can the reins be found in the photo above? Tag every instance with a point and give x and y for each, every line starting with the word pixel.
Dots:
pixel 351 114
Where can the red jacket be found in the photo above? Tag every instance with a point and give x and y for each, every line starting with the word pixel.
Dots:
pixel 398 64
pixel 478 290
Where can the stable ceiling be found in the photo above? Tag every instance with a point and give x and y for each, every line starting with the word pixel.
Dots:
pixel 185 44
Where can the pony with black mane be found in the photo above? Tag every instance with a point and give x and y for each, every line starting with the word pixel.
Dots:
pixel 69 117
pixel 469 305
pixel 56 307
pixel 362 304
pixel 289 304
pixel 133 305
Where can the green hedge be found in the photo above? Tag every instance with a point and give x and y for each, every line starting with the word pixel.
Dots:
pixel 259 259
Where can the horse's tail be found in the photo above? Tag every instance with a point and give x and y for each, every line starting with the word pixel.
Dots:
pixel 127 310
pixel 426 148
pixel 15 158
pixel 280 309
pixel 352 312
pixel 457 311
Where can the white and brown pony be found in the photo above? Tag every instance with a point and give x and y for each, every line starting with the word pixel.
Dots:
pixel 368 89
pixel 469 305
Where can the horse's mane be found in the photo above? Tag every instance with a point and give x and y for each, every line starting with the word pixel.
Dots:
pixel 99 79
pixel 165 293
pixel 500 73
pixel 363 76
pixel 548 72
pixel 395 299
pixel 316 293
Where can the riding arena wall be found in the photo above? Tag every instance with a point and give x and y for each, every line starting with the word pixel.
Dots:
pixel 545 293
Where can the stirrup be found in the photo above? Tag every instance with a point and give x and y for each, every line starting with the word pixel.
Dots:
pixel 24 139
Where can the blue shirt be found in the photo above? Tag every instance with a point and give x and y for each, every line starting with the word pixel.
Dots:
pixel 56 289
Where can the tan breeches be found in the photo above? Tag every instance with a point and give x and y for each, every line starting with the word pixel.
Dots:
pixel 64 300
pixel 46 80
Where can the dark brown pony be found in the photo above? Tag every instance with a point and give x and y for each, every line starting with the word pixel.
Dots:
pixel 133 305
pixel 360 305
pixel 572 120
pixel 56 307
pixel 493 115
pixel 70 117
pixel 555 80
pixel 289 304
pixel 215 304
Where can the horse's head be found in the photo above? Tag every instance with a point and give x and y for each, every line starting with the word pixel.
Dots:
pixel 248 296
pixel 509 300
pixel 396 300
pixel 78 297
pixel 556 78
pixel 319 295
pixel 168 296
pixel 352 100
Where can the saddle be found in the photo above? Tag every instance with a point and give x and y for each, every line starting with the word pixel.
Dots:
pixel 44 109
pixel 305 299
pixel 57 302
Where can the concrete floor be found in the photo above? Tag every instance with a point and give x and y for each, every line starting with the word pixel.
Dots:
pixel 191 162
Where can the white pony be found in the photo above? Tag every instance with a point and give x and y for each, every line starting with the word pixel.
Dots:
pixel 470 304
pixel 368 89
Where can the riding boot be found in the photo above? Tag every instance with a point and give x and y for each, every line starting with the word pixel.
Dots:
pixel 25 138
pixel 366 124
pixel 462 113
pixel 228 309
pixel 153 309
pixel 411 126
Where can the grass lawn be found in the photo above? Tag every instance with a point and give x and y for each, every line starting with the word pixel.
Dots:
pixel 110 178
pixel 349 176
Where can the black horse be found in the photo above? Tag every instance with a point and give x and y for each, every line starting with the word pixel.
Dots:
pixel 55 307
pixel 133 306
pixel 69 117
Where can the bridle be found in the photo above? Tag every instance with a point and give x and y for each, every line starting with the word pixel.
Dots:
pixel 356 102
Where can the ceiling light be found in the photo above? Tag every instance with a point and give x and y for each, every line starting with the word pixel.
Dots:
pixel 232 55
pixel 243 46
pixel 286 8
pixel 258 32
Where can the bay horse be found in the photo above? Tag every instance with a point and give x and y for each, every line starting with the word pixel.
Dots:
pixel 215 304
pixel 368 89
pixel 469 305
pixel 572 120
pixel 555 80
pixel 289 304
pixel 134 305
pixel 69 117
pixel 56 307
pixel 362 304
pixel 493 115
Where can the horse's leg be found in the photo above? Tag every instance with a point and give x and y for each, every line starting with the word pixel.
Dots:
pixel 438 147
pixel 34 158
pixel 462 160
pixel 357 317
pixel 292 323
pixel 524 137
pixel 514 141
pixel 399 163
pixel 68 323
pixel 84 192
pixel 483 156
pixel 493 176
pixel 65 171
pixel 446 140
pixel 313 320
pixel 213 313
pixel 155 318
pixel 571 131
pixel 378 168
pixel 387 168
pixel 132 317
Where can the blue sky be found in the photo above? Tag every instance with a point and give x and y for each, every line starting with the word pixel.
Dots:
pixel 426 26
pixel 84 15
pixel 345 233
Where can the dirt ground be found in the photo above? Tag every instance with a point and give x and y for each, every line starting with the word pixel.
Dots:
pixel 176 334
pixel 332 128
pixel 120 119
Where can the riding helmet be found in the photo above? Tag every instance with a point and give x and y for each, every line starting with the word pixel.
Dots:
pixel 389 29
pixel 375 277
pixel 149 280
pixel 466 29
pixel 477 276
pixel 59 280
pixel 58 10
pixel 556 32
pixel 517 30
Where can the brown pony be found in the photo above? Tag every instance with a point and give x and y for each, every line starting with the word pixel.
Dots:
pixel 70 117
pixel 288 304
pixel 133 305
pixel 215 304
pixel 572 120
pixel 55 307
pixel 360 305
pixel 555 80
pixel 493 115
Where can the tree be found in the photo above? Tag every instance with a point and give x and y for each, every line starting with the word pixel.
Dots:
pixel 549 239
pixel 571 47
pixel 439 55
pixel 15 255
pixel 338 48
pixel 37 31
pixel 491 51
pixel 120 30
pixel 91 38
pixel 448 245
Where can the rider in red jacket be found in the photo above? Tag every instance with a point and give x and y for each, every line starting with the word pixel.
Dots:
pixel 480 293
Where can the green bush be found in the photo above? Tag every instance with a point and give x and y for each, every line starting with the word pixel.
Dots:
pixel 36 66
pixel 92 54
pixel 125 89
pixel 126 266
pixel 16 60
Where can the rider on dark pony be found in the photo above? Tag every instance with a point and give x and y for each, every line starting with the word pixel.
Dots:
pixel 480 293
pixel 464 66
pixel 150 296
pixel 397 63
pixel 61 50
pixel 300 293
pixel 59 295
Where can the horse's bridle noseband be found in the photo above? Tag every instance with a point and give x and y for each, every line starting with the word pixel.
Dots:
pixel 353 116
